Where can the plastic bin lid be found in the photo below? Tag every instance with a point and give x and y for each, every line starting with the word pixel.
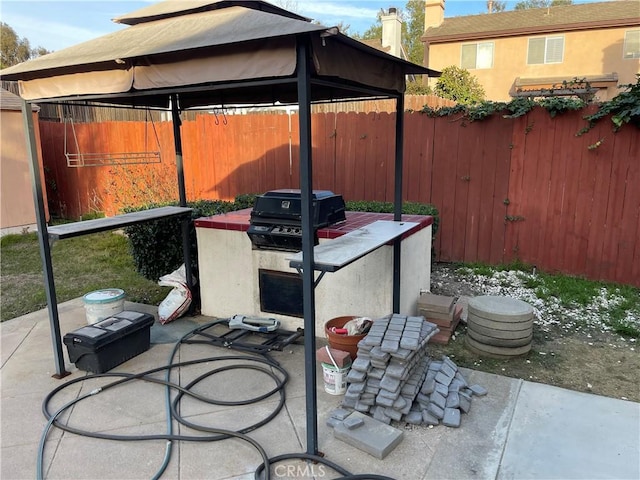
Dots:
pixel 97 335
pixel 104 296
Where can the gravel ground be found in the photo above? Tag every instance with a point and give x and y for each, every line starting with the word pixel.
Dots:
pixel 572 347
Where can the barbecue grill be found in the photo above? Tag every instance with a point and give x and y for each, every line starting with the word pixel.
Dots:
pixel 276 218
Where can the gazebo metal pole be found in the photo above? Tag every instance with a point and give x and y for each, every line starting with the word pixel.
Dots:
pixel 397 207
pixel 186 220
pixel 308 294
pixel 43 240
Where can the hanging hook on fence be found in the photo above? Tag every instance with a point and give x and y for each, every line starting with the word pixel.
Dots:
pixel 222 111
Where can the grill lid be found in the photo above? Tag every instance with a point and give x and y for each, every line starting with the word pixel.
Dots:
pixel 276 218
pixel 285 207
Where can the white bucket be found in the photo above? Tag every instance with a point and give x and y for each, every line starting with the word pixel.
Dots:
pixel 335 379
pixel 102 304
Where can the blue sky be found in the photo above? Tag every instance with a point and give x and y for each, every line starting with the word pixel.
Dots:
pixel 55 24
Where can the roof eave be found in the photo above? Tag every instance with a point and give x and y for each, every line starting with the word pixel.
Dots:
pixel 534 30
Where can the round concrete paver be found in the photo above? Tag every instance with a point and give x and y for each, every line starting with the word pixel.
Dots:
pixel 505 324
pixel 498 333
pixel 500 327
pixel 496 352
pixel 500 309
pixel 500 342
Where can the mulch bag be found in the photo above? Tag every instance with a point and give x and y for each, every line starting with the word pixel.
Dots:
pixel 179 298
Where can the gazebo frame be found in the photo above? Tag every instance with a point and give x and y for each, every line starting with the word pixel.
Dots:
pixel 305 87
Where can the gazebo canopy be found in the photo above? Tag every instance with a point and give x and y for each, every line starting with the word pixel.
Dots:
pixel 219 47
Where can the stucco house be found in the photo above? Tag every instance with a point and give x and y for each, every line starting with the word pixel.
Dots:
pixel 525 52
pixel 17 211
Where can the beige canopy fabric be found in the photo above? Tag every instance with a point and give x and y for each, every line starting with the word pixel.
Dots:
pixel 186 34
pixel 270 58
pixel 162 10
pixel 83 83
pixel 335 59
pixel 167 47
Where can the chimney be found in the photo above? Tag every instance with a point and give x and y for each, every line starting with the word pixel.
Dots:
pixel 392 32
pixel 433 13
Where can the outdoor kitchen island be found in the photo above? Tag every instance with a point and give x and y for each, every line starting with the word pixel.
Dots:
pixel 237 278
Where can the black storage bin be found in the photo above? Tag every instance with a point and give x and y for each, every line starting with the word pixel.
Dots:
pixel 101 346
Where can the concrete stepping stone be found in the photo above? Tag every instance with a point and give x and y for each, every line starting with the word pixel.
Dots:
pixel 373 437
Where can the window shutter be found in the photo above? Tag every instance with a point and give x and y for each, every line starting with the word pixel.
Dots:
pixel 535 53
pixel 555 50
pixel 468 57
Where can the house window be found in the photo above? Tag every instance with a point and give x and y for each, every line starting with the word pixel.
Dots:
pixel 631 44
pixel 477 55
pixel 545 50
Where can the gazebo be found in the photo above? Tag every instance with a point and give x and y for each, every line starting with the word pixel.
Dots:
pixel 181 55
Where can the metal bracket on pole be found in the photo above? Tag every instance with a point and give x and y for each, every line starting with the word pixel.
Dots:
pixel 317 281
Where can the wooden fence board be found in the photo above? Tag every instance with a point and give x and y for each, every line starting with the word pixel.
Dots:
pixel 551 194
pixel 324 161
pixel 444 189
pixel 557 207
pixel 472 180
pixel 362 173
pixel 613 215
pixel 573 155
pixel 617 240
pixel 584 206
pixel 390 157
pixel 630 216
pixel 494 190
pixel 595 245
pixel 382 145
pixel 520 143
pixel 535 189
pixel 426 135
pixel 462 151
pixel 345 153
pixel 411 170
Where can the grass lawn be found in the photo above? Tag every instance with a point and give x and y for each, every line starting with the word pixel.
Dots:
pixel 80 265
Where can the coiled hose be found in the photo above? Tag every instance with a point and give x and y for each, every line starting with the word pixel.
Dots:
pixel 262 363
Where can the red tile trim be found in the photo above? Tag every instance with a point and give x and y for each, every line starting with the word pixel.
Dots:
pixel 239 221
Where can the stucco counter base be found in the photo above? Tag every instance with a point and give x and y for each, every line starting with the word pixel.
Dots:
pixel 229 269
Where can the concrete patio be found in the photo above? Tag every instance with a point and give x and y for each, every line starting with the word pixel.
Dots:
pixel 519 430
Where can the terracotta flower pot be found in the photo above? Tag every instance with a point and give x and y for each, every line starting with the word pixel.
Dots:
pixel 346 343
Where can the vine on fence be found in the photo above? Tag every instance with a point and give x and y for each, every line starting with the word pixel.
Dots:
pixel 623 108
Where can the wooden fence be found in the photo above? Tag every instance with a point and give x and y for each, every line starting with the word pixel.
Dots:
pixel 507 189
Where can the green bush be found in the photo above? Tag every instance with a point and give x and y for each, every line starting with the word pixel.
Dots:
pixel 156 247
pixel 458 84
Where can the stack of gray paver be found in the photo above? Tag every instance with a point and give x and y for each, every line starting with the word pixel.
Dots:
pixel 443 396
pixel 393 378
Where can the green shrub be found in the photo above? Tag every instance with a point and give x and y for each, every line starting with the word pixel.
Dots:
pixel 156 247
pixel 458 84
